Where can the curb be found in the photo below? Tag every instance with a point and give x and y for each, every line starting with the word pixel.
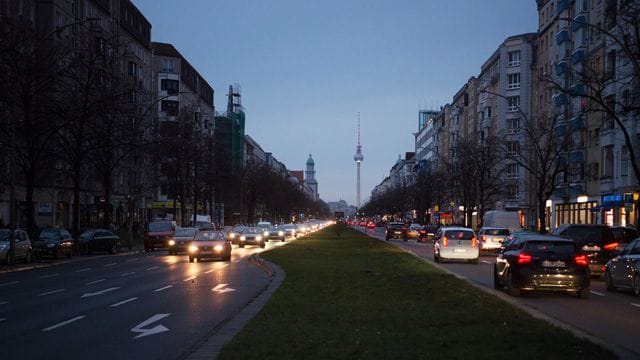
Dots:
pixel 227 329
pixel 76 258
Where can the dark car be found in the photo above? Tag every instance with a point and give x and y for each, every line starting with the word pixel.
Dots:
pixel 54 242
pixel 158 234
pixel 623 235
pixel 595 240
pixel 92 240
pixel 22 246
pixel 234 234
pixel 542 262
pixel 252 235
pixel 210 244
pixel 396 230
pixel 181 240
pixel 427 233
pixel 623 271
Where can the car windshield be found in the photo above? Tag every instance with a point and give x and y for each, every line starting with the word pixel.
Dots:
pixel 159 226
pixel 239 229
pixel 86 235
pixel 186 232
pixel 5 234
pixel 556 247
pixel 583 235
pixel 49 235
pixel 209 236
pixel 502 232
pixel 273 228
pixel 414 227
pixel 459 234
pixel 288 226
pixel 252 231
pixel 395 226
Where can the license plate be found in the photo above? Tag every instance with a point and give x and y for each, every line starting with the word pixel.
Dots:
pixel 496 240
pixel 398 232
pixel 459 250
pixel 548 263
pixel 591 248
pixel 205 248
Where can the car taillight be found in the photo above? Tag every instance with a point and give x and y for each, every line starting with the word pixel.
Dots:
pixel 581 260
pixel 484 238
pixel 524 259
pixel 423 231
pixel 445 241
pixel 404 229
pixel 611 247
pixel 474 242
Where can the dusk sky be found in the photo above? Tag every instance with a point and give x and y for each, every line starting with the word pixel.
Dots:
pixel 306 68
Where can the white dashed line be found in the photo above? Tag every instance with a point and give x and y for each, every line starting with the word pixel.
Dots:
pixel 83 270
pixel 210 271
pixel 52 292
pixel 237 260
pixel 129 273
pixel 223 266
pixel 634 304
pixel 134 259
pixel 153 268
pixel 49 276
pixel 9 283
pixel 163 288
pixel 4 303
pixel 124 302
pixel 486 262
pixel 597 293
pixel 189 279
pixel 3 319
pixel 64 323
pixel 95 282
pixel 111 264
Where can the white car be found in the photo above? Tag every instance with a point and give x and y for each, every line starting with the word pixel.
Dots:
pixel 456 243
pixel 491 237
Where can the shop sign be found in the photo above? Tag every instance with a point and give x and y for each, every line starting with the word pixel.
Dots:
pixel 612 200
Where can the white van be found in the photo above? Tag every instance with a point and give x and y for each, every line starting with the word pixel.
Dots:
pixel 502 219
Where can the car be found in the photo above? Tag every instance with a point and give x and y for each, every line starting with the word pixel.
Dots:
pixel 210 244
pixel 253 236
pixel 427 233
pixel 274 233
pixel 264 224
pixel 158 234
pixel 596 240
pixel 396 230
pixel 491 238
pixel 56 242
pixel 181 239
pixel 234 234
pixel 413 232
pixel 203 225
pixel 371 225
pixel 623 271
pixel 623 235
pixel 23 249
pixel 456 243
pixel 289 230
pixel 92 240
pixel 542 262
pixel 301 230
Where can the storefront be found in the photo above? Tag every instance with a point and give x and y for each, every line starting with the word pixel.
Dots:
pixel 576 213
pixel 619 209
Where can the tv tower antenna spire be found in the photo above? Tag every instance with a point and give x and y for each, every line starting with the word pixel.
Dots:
pixel 358 157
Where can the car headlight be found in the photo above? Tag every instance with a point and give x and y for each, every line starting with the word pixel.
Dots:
pixel 193 248
pixel 218 248
pixel 280 233
pixel 232 235
pixel 266 233
pixel 172 242
pixel 243 238
pixel 259 238
pixel 3 246
pixel 50 245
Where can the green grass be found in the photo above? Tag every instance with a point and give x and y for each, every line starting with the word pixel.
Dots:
pixel 356 297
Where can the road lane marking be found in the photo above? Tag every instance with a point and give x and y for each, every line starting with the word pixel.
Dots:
pixel 134 259
pixel 101 292
pixel 152 331
pixel 4 303
pixel 189 279
pixel 83 270
pixel 111 264
pixel 3 319
pixel 95 282
pixel 636 305
pixel 163 288
pixel 153 268
pixel 9 283
pixel 597 293
pixel 124 302
pixel 486 262
pixel 52 292
pixel 236 260
pixel 210 271
pixel 127 274
pixel 49 276
pixel 222 288
pixel 64 323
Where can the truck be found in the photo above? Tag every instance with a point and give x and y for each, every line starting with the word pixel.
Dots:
pixel 502 219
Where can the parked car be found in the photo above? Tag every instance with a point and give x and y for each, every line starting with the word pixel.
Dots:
pixel 623 235
pixel 596 240
pixel 491 238
pixel 274 233
pixel 252 236
pixel 542 262
pixel 181 239
pixel 396 230
pixel 413 232
pixel 158 234
pixel 210 244
pixel 456 243
pixel 92 240
pixel 54 242
pixel 22 244
pixel 623 271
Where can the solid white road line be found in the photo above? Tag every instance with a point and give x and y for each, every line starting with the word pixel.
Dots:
pixel 237 260
pixel 9 283
pixel 597 293
pixel 153 268
pixel 3 319
pixel 210 271
pixel 52 292
pixel 189 279
pixel 95 282
pixel 4 302
pixel 124 302
pixel 134 259
pixel 163 288
pixel 49 276
pixel 487 262
pixel 129 273
pixel 636 305
pixel 83 270
pixel 64 323
pixel 111 264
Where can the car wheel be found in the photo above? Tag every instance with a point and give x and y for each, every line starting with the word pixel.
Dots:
pixel 636 285
pixel 113 249
pixel 386 239
pixel 584 293
pixel 608 281
pixel 191 259
pixel 241 245
pixel 69 254
pixel 436 258
pixel 262 245
pixel 474 261
pixel 405 238
pixel 496 280
pixel 282 239
pixel 513 291
pixel 28 258
pixel 6 259
pixel 57 254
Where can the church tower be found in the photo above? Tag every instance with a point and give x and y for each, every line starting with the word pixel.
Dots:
pixel 310 178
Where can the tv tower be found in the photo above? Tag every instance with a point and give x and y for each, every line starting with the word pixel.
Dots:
pixel 358 157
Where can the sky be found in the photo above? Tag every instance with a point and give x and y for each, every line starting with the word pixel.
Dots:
pixel 306 68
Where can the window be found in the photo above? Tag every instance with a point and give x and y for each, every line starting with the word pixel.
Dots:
pixel 624 161
pixel 132 68
pixel 513 147
pixel 489 111
pixel 513 103
pixel 513 124
pixel 512 171
pixel 514 58
pixel 513 192
pixel 514 81
pixel 170 107
pixel 611 65
pixel 167 65
pixel 625 101
pixel 607 161
pixel 171 86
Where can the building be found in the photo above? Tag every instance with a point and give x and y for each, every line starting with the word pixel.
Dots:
pixel 311 185
pixel 343 207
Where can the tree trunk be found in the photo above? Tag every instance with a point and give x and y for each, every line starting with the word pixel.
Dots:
pixel 106 183
pixel 76 201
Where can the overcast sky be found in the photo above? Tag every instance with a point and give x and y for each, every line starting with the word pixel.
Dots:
pixel 307 67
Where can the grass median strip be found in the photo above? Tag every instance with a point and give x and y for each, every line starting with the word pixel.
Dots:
pixel 356 297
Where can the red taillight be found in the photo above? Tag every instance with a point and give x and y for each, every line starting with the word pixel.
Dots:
pixel 445 241
pixel 474 242
pixel 405 229
pixel 611 246
pixel 484 238
pixel 524 259
pixel 582 260
pixel 423 231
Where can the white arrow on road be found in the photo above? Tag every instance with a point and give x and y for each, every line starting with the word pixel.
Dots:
pixel 152 331
pixel 99 292
pixel 222 288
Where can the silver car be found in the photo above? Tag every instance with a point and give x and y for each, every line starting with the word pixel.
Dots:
pixel 22 246
pixel 456 243
pixel 491 237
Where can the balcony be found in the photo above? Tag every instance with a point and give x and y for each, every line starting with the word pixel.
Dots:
pixel 563 5
pixel 560 130
pixel 561 68
pixel 578 22
pixel 562 36
pixel 577 122
pixel 578 56
pixel 560 99
pixel 576 156
pixel 578 90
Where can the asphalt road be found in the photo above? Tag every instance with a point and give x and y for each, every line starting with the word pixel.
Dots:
pixel 611 316
pixel 134 306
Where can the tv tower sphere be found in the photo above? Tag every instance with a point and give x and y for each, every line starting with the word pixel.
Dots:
pixel 358 157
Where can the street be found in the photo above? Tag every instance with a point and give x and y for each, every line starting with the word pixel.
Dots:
pixel 610 316
pixel 140 305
